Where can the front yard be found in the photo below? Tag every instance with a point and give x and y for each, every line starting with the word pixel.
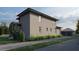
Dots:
pixel 5 40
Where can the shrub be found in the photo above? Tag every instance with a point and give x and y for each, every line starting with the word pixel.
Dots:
pixel 37 37
pixel 33 38
pixel 52 36
pixel 59 36
pixel 40 37
pixel 48 36
pixel 21 36
pixel 56 36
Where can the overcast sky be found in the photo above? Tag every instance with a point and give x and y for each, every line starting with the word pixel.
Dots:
pixel 67 16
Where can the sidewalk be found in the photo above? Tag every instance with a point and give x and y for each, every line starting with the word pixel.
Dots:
pixel 21 44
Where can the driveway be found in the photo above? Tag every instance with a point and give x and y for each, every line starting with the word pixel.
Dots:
pixel 21 44
pixel 70 45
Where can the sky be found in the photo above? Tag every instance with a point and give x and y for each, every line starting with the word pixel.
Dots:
pixel 67 16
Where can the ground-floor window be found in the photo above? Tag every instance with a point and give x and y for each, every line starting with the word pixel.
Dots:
pixel 46 29
pixel 40 29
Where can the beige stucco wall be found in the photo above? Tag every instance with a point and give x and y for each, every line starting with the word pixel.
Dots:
pixel 45 23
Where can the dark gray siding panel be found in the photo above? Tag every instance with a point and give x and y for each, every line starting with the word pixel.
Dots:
pixel 24 20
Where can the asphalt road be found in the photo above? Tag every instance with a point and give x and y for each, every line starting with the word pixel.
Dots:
pixel 71 45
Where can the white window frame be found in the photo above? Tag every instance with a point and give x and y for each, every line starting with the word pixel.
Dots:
pixel 40 19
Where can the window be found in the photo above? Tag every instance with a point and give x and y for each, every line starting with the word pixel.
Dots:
pixel 50 29
pixel 46 29
pixel 40 19
pixel 40 29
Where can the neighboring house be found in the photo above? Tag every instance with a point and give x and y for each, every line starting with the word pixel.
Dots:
pixel 67 32
pixel 35 23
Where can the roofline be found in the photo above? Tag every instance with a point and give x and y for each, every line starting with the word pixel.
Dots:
pixel 68 30
pixel 58 27
pixel 36 12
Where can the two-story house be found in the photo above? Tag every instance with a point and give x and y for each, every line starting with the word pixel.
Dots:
pixel 35 23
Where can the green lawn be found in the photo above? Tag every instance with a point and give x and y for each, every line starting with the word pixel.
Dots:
pixel 39 45
pixel 5 40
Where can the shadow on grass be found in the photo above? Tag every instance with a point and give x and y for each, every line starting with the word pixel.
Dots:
pixel 5 40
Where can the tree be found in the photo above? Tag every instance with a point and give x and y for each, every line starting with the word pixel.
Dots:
pixel 16 32
pixel 77 30
pixel 13 27
pixel 4 28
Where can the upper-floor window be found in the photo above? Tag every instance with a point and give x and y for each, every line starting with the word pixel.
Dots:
pixel 40 19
